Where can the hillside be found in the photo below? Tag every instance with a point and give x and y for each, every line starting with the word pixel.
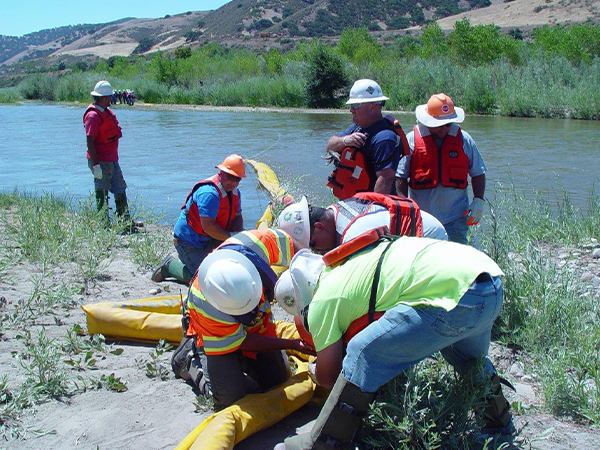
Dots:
pixel 268 23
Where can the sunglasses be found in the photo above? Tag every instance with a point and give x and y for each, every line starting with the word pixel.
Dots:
pixel 357 106
pixel 232 177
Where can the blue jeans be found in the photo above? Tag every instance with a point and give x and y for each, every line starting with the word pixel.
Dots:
pixel 405 335
pixel 112 178
pixel 458 230
pixel 192 256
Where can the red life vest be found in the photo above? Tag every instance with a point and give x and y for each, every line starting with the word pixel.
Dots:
pixel 429 167
pixel 228 206
pixel 352 174
pixel 405 220
pixel 109 130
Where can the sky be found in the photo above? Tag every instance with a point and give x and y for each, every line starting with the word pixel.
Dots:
pixel 19 17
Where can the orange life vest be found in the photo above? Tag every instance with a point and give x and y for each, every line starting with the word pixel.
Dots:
pixel 228 206
pixel 352 174
pixel 405 220
pixel 429 167
pixel 109 130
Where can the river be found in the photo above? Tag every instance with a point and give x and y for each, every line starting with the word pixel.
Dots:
pixel 164 152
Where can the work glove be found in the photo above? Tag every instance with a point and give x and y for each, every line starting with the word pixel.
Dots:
pixel 474 211
pixel 97 171
pixel 331 157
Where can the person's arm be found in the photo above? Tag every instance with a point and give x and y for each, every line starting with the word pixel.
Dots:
pixel 260 343
pixel 385 181
pixel 91 146
pixel 213 229
pixel 478 185
pixel 401 187
pixel 338 143
pixel 238 223
pixel 329 364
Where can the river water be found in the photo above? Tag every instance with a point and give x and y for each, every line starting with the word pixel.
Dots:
pixel 164 152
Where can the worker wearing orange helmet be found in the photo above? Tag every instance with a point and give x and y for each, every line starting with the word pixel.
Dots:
pixel 442 158
pixel 211 212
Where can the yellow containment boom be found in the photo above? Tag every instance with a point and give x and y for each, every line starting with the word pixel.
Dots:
pixel 151 319
pixel 144 320
pixel 270 182
pixel 255 412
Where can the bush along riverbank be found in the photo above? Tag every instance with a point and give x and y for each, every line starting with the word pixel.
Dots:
pixel 59 386
pixel 555 73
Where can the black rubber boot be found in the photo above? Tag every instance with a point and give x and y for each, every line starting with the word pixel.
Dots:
pixel 122 207
pixel 102 205
pixel 495 412
pixel 338 421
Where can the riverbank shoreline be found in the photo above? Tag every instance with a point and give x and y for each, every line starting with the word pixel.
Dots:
pixel 77 263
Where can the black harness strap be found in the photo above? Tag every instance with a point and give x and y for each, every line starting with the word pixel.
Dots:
pixel 372 299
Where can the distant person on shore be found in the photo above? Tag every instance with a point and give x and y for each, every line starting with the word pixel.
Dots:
pixel 103 132
pixel 368 150
pixel 210 213
pixel 442 158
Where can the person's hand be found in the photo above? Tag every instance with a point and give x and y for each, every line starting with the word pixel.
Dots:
pixel 303 347
pixel 356 140
pixel 474 211
pixel 97 171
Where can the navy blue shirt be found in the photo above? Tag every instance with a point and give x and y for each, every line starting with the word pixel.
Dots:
pixel 380 147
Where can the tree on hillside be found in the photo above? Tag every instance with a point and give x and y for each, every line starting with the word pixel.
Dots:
pixel 326 77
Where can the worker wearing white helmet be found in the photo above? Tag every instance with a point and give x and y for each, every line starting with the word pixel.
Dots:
pixel 366 154
pixel 231 334
pixel 383 310
pixel 324 229
pixel 103 132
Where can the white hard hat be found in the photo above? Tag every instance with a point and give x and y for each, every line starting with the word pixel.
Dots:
pixel 365 91
pixel 102 89
pixel 284 294
pixel 230 282
pixel 295 222
pixel 295 288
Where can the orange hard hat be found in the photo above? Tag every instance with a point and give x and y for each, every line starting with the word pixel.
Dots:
pixel 233 165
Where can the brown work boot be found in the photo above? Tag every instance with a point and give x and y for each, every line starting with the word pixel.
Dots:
pixel 157 275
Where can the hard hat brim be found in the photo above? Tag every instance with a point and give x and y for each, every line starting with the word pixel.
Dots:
pixel 355 101
pixel 229 171
pixel 429 121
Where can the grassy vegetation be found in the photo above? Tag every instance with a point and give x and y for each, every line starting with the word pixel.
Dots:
pixel 54 237
pixel 554 74
pixel 549 316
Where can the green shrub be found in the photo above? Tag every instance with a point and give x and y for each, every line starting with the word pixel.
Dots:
pixel 325 77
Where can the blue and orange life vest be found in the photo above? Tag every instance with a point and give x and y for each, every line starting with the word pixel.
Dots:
pixel 228 206
pixel 352 174
pixel 109 130
pixel 429 166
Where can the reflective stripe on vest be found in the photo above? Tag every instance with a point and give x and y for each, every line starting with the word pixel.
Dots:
pixel 404 214
pixel 429 165
pixel 218 332
pixel 109 129
pixel 272 245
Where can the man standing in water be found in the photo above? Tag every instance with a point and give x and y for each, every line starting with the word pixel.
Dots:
pixel 103 132
pixel 442 158
pixel 211 212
